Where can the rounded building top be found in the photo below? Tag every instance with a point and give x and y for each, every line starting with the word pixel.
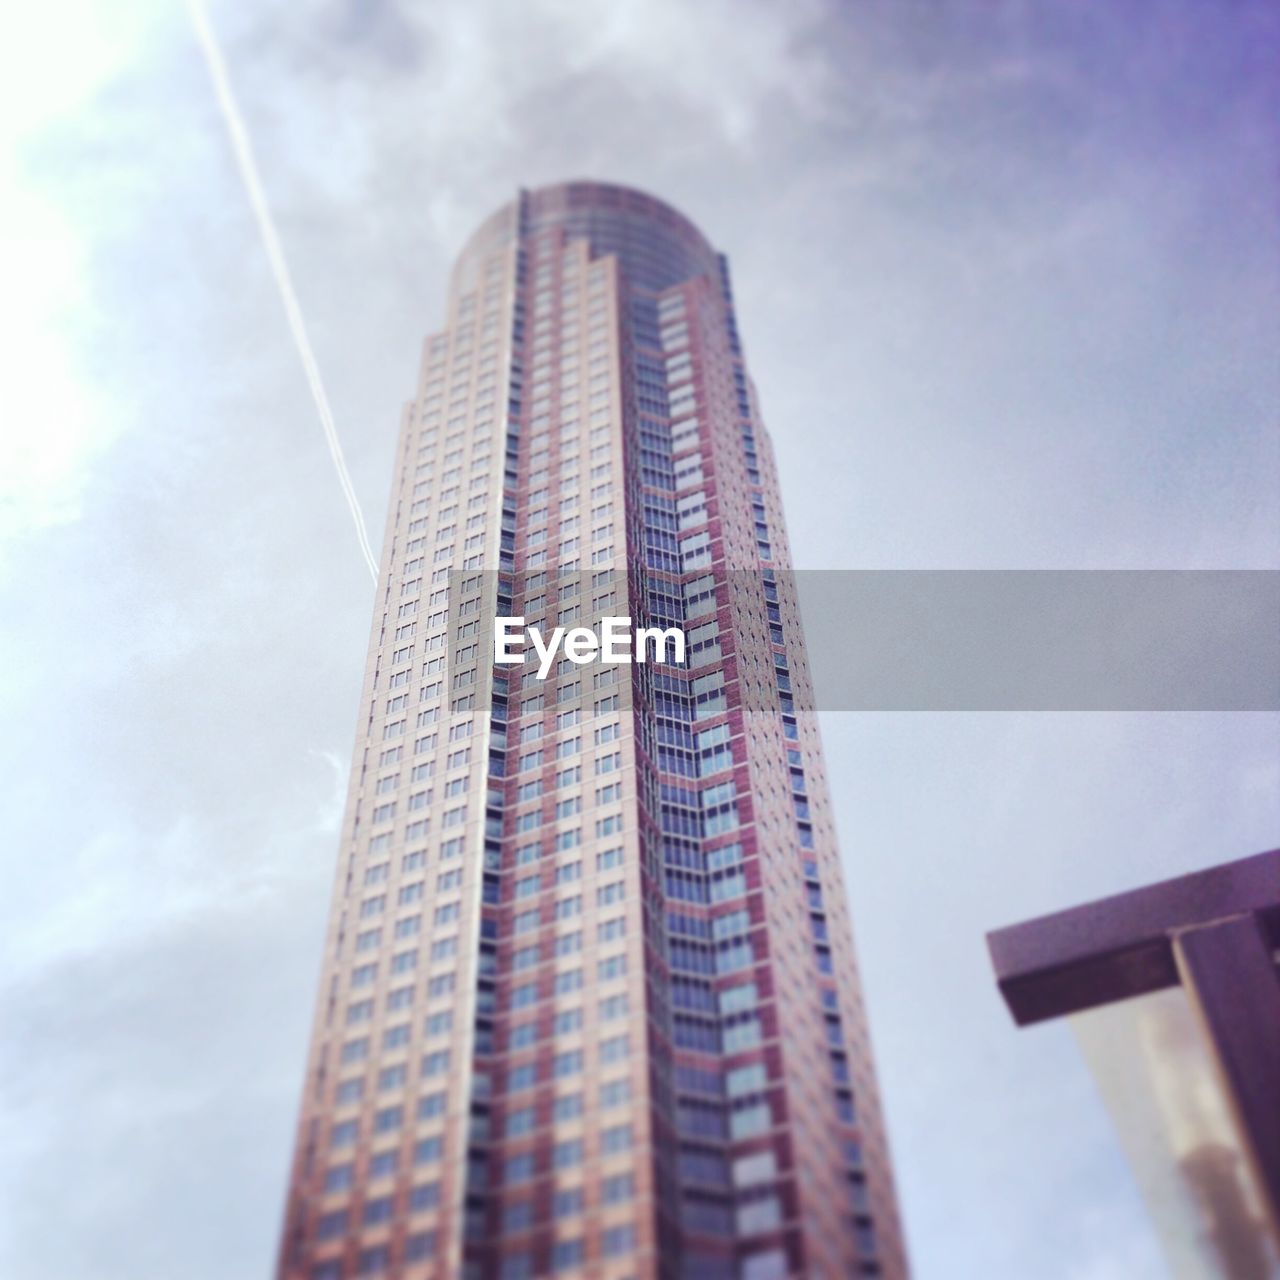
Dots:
pixel 656 245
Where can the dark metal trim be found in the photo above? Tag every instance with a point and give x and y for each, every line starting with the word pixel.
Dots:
pixel 1228 970
pixel 1122 946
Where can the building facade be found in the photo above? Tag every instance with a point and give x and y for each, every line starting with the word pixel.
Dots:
pixel 589 1003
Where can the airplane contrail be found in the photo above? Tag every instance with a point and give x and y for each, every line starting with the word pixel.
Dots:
pixel 279 267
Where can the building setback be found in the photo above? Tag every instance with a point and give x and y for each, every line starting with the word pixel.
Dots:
pixel 589 1005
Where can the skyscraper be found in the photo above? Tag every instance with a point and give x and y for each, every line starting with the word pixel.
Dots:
pixel 589 1004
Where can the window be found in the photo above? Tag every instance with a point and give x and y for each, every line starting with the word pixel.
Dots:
pixel 567 1254
pixel 332 1225
pixel 567 1021
pixel 392 1077
pixel 520 1121
pixel 613 1007
pixel 614 1093
pixel 567 1154
pixel 569 981
pixel 614 1049
pixel 771 1265
pixel 356 1050
pixel 420 1246
pixel 619 1241
pixel 428 1150
pixel 517 1216
pixel 388 1119
pixel 344 1134
pixel 374 1261
pixel 425 1196
pixel 568 1201
pixel 567 1064
pixel 430 1106
pixel 569 943
pixel 618 1187
pixel 568 1106
pixel 746 1122
pixel 616 1139
pixel 377 1211
pixel 748 1079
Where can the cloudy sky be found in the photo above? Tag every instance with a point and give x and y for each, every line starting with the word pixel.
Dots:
pixel 1009 280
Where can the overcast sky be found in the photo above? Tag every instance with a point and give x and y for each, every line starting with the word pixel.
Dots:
pixel 1008 277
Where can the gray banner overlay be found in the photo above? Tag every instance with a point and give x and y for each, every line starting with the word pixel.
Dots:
pixel 1065 640
pixel 969 640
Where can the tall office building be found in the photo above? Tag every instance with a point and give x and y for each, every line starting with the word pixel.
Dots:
pixel 589 1004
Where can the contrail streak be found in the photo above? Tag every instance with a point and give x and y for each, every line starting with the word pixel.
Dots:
pixel 279 267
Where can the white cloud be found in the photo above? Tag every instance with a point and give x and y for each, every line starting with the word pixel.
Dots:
pixel 53 60
pixel 51 433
